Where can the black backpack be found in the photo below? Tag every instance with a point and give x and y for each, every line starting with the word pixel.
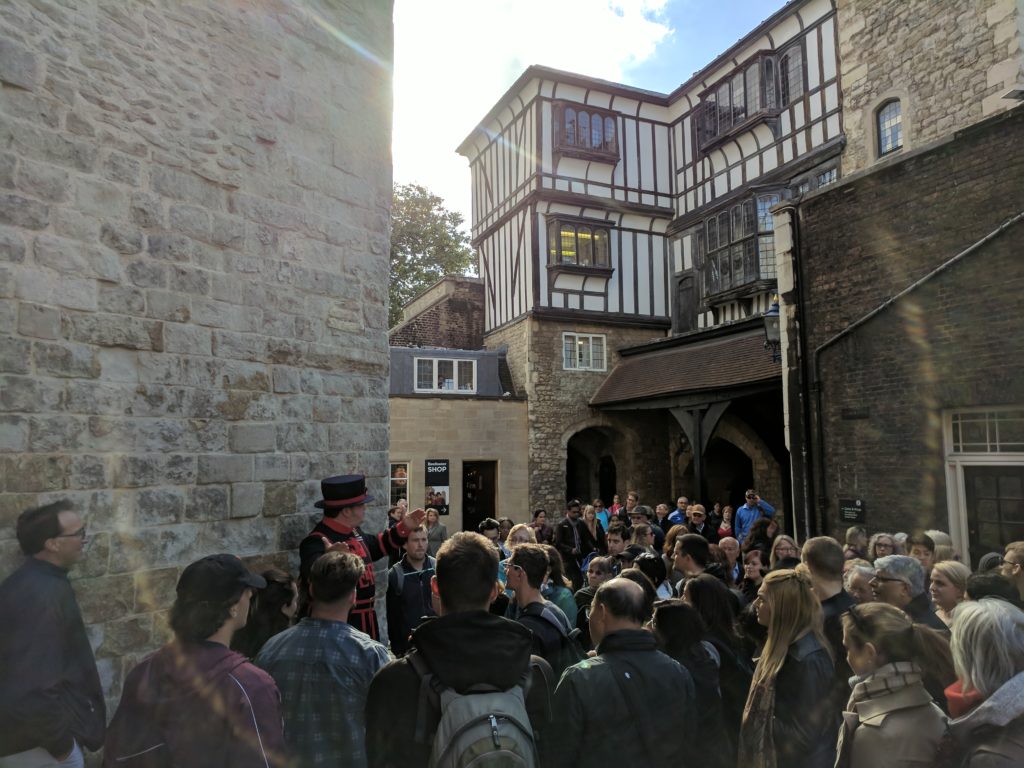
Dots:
pixel 570 648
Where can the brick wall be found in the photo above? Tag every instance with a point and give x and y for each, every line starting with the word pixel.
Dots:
pixel 449 315
pixel 948 62
pixel 193 282
pixel 956 342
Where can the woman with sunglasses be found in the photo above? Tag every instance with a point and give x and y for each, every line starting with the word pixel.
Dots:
pixel 784 722
pixel 891 718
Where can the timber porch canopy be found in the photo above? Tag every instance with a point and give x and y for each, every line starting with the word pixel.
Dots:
pixel 695 377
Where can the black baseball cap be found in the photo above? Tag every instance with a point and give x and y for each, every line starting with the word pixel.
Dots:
pixel 216 578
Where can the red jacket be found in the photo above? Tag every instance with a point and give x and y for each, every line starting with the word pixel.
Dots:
pixel 195 704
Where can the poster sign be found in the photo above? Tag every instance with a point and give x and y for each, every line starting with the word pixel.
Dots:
pixel 438 489
pixel 852 510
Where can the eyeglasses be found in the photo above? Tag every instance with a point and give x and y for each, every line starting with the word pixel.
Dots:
pixel 513 567
pixel 79 534
pixel 882 545
pixel 877 577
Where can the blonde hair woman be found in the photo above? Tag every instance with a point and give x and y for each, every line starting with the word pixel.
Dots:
pixel 784 724
pixel 948 588
pixel 437 533
pixel 784 546
pixel 891 719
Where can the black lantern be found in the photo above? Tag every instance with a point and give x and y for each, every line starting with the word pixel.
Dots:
pixel 772 334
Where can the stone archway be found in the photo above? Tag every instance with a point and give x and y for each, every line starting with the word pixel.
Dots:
pixel 598 458
pixel 765 470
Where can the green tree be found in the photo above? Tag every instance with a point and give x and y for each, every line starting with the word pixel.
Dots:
pixel 426 245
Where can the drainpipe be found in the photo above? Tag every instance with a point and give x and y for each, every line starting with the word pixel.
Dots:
pixel 806 473
pixel 816 383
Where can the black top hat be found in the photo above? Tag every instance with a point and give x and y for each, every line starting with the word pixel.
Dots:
pixel 343 491
pixel 216 578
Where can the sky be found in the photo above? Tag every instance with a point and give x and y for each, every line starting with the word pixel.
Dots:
pixel 455 58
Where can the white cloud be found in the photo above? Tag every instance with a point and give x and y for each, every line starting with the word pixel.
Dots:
pixel 455 58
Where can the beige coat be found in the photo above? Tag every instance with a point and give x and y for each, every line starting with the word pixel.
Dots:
pixel 903 728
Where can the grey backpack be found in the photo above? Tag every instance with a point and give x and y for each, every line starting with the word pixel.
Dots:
pixel 484 727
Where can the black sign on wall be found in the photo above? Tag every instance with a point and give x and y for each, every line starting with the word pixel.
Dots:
pixel 438 488
pixel 852 511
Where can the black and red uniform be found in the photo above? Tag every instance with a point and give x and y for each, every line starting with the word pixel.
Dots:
pixel 370 548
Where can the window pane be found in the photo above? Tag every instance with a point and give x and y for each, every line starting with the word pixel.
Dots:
pixel 738 278
pixel 446 374
pixel 792 75
pixel 597 352
pixel 712 234
pixel 738 231
pixel 890 128
pixel 570 125
pixel 601 256
pixel 424 374
pixel 465 375
pixel 766 256
pixel 584 129
pixel 553 242
pixel 569 350
pixel 710 117
pixel 725 264
pixel 723 229
pixel 609 133
pixel 770 99
pixel 568 244
pixel 586 245
pixel 764 216
pixel 749 217
pixel 595 132
pixel 583 351
pixel 739 105
pixel 750 260
pixel 826 177
pixel 724 108
pixel 753 88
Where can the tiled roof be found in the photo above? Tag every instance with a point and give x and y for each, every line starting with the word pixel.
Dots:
pixel 714 364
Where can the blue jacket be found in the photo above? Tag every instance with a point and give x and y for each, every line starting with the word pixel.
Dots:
pixel 746 515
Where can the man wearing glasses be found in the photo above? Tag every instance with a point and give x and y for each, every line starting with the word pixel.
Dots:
pixel 754 508
pixel 1013 565
pixel 51 702
pixel 899 581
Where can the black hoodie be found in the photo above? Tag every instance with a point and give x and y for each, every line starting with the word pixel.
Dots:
pixel 462 650
pixel 196 704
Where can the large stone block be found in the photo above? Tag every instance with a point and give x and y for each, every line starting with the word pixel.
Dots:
pixel 23 212
pixel 159 506
pixel 225 468
pixel 253 438
pixel 19 66
pixel 38 321
pixel 209 502
pixel 155 590
pixel 246 499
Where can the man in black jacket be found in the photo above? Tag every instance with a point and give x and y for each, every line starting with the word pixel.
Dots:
pixel 573 542
pixel 51 703
pixel 631 684
pixel 464 647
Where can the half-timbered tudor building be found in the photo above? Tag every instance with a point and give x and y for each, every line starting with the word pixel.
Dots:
pixel 627 255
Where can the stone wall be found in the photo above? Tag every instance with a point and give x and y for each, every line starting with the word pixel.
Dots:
pixel 948 62
pixel 194 210
pixel 956 342
pixel 450 314
pixel 558 408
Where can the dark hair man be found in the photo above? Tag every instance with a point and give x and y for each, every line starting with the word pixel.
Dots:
pixel 51 702
pixel 323 667
pixel 408 599
pixel 344 506
pixel 824 558
pixel 464 647
pixel 641 514
pixel 525 572
pixel 629 683
pixel 921 547
pixel 195 701
pixel 574 542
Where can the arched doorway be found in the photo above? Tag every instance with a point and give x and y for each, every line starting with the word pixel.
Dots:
pixel 590 468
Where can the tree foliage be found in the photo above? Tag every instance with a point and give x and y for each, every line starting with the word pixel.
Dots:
pixel 426 245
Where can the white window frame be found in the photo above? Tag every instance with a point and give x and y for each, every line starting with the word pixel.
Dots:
pixel 576 339
pixel 956 491
pixel 439 390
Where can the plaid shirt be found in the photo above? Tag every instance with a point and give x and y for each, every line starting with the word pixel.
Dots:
pixel 323 670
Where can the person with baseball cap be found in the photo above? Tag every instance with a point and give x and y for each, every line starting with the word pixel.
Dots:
pixel 344 504
pixel 195 701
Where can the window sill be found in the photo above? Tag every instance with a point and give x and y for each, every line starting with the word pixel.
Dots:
pixel 769 117
pixel 582 153
pixel 576 269
pixel 740 292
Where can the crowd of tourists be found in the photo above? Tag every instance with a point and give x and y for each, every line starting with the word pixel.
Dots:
pixel 619 636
